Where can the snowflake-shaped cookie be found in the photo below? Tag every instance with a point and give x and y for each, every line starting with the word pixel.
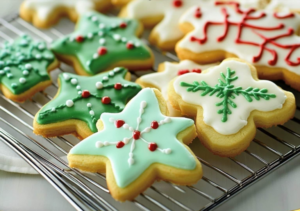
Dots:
pixel 100 43
pixel 137 140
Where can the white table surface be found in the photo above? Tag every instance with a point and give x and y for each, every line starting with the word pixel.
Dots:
pixel 279 191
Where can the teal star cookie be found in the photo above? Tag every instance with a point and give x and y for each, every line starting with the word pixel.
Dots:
pixel 81 100
pixel 24 67
pixel 100 43
pixel 139 145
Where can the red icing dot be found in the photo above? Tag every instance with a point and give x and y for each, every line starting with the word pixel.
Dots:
pixel 181 72
pixel 123 25
pixel 120 144
pixel 79 38
pixel 129 45
pixel 152 147
pixel 177 3
pixel 105 100
pixel 154 124
pixel 85 94
pixel 196 70
pixel 192 38
pixel 198 13
pixel 118 86
pixel 136 135
pixel 119 123
pixel 102 50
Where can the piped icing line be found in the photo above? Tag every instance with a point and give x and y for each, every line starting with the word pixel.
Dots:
pixel 125 135
pixel 228 94
pixel 100 41
pixel 269 37
pixel 89 97
pixel 24 63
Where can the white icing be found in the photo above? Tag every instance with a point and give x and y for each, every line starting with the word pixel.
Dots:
pixel 162 79
pixel 168 28
pixel 213 13
pixel 284 5
pixel 238 119
pixel 45 8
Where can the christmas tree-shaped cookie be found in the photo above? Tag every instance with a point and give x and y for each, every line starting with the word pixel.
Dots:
pixel 24 68
pixel 138 146
pixel 100 43
pixel 229 102
pixel 81 100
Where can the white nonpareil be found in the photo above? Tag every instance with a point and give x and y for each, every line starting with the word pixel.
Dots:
pixel 239 116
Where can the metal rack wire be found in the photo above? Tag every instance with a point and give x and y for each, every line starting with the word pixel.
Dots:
pixel 223 177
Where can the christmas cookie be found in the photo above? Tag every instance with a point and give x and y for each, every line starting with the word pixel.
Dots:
pixel 166 72
pixel 138 146
pixel 267 39
pixel 81 100
pixel 24 68
pixel 45 13
pixel 165 14
pixel 229 102
pixel 101 43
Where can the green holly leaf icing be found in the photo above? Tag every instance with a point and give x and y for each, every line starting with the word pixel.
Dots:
pixel 100 42
pixel 136 153
pixel 24 63
pixel 82 97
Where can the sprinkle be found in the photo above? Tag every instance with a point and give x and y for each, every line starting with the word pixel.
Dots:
pixel 78 87
pixel 89 105
pixel 117 69
pixel 105 78
pixel 9 75
pixel 102 41
pixel 101 25
pixel 92 113
pixel 89 35
pixel 69 103
pixel 53 109
pixel 25 72
pixel 41 47
pixel 99 85
pixel 66 76
pixel 38 56
pixel 74 81
pixel 6 69
pixel 117 37
pixel 95 56
pixel 99 144
pixel 100 33
pixel 111 73
pixel 94 18
pixel 22 80
pixel 1 72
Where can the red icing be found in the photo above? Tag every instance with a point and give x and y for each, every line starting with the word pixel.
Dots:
pixel 177 3
pixel 152 147
pixel 105 100
pixel 154 125
pixel 85 94
pixel 123 25
pixel 181 72
pixel 118 86
pixel 196 70
pixel 79 38
pixel 246 15
pixel 102 50
pixel 129 45
pixel 119 123
pixel 120 144
pixel 198 13
pixel 136 134
pixel 289 15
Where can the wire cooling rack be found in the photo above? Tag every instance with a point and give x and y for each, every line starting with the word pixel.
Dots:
pixel 223 177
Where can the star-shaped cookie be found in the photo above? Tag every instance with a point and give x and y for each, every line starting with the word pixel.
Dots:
pixel 24 68
pixel 100 43
pixel 81 100
pixel 138 146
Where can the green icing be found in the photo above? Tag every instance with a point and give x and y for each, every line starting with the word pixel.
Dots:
pixel 226 91
pixel 164 136
pixel 57 110
pixel 97 30
pixel 24 63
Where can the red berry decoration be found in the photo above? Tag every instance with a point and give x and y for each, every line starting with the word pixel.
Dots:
pixel 129 45
pixel 136 135
pixel 177 3
pixel 123 25
pixel 181 72
pixel 154 125
pixel 152 147
pixel 105 100
pixel 120 144
pixel 118 86
pixel 102 51
pixel 79 38
pixel 85 94
pixel 198 13
pixel 119 123
pixel 196 70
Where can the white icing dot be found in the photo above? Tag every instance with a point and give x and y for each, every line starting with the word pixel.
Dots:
pixel 137 44
pixel 89 35
pixel 143 104
pixel 69 103
pixel 88 63
pixel 66 76
pixel 53 109
pixel 38 56
pixel 79 92
pixel 141 111
pixel 99 144
pixel 1 72
pixel 130 161
pixel 71 39
pixel 117 69
pixel 106 143
pixel 92 113
pixel 167 151
pixel 94 18
pixel 96 55
pixel 74 81
pixel 41 47
pixel 126 140
pixel 101 25
pixel 161 122
pixel 102 41
pixel 111 119
pixel 25 72
pixel 125 85
pixel 89 105
pixel 139 119
pixel 130 154
pixel 167 119
pixel 111 73
pixel 147 129
pixel 9 75
pixel 22 80
pixel 28 66
pixel 125 126
pixel 105 78
pixel 131 129
pixel 124 39
pixel 99 85
pixel 6 68
pixel 117 37
pixel 100 33
pixel 78 87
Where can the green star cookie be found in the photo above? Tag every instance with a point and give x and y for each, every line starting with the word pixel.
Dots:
pixel 100 43
pixel 81 100
pixel 139 145
pixel 24 67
